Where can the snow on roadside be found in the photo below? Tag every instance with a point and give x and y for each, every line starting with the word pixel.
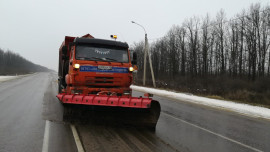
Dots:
pixel 245 109
pixel 5 78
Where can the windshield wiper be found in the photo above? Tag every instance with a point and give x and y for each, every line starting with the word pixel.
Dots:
pixel 91 58
pixel 110 59
pixel 96 59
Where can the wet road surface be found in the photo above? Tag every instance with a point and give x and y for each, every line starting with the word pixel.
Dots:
pixel 21 121
pixel 190 127
pixel 26 103
pixel 21 124
pixel 113 139
pixel 106 138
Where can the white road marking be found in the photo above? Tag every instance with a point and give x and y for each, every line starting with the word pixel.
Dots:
pixel 45 146
pixel 77 139
pixel 211 132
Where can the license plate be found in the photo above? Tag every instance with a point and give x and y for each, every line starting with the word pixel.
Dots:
pixel 101 67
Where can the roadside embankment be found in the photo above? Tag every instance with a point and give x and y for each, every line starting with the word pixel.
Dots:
pixel 245 109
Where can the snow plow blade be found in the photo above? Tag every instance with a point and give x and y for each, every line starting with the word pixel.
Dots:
pixel 111 110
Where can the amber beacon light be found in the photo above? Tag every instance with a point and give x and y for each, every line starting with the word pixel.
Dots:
pixel 114 37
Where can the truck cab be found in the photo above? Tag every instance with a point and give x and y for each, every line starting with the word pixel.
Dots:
pixel 95 66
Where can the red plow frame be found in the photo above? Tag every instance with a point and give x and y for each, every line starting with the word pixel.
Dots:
pixel 127 110
pixel 105 100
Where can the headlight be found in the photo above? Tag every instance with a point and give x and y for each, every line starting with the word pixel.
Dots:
pixel 76 66
pixel 76 91
pixel 126 92
pixel 131 69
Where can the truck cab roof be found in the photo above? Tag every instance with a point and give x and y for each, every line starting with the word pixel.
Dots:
pixel 95 41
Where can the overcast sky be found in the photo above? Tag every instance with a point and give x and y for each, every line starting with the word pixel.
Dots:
pixel 36 28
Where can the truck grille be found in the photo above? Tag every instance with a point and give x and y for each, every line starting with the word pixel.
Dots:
pixel 102 80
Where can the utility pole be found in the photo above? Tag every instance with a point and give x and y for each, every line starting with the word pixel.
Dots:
pixel 146 51
pixel 150 62
pixel 144 63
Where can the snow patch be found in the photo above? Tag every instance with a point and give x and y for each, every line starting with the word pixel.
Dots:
pixel 5 78
pixel 245 109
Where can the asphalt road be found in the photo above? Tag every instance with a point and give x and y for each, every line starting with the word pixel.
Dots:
pixel 191 128
pixel 28 102
pixel 21 122
pixel 105 138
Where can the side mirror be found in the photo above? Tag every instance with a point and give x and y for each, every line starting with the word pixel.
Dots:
pixel 134 61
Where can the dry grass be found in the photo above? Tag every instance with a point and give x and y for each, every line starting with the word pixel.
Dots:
pixel 215 97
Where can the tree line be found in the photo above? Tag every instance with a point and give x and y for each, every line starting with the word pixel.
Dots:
pixel 211 50
pixel 12 63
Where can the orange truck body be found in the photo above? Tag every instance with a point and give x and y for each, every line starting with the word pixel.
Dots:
pixel 95 76
pixel 96 82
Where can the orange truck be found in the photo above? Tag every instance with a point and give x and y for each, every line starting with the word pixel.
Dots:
pixel 97 73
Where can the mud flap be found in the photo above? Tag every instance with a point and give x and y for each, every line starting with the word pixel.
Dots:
pixel 105 115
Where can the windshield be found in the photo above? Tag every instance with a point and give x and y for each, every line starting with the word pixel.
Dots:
pixel 101 54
